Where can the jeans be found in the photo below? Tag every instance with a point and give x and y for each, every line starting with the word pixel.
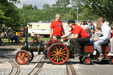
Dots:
pixel 92 41
pixel 16 37
pixel 109 45
pixel 98 45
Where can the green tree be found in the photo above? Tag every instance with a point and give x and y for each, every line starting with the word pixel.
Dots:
pixel 61 3
pixel 35 8
pixel 28 7
pixel 8 12
pixel 101 8
pixel 46 6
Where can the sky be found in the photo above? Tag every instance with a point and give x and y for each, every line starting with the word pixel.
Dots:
pixel 38 3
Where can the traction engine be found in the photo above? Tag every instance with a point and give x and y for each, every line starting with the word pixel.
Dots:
pixel 57 52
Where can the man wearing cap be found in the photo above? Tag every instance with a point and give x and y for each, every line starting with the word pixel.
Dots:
pixel 80 36
pixel 57 27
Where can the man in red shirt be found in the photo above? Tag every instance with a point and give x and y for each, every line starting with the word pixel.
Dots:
pixel 80 36
pixel 57 27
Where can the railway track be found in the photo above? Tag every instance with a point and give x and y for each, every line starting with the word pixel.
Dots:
pixel 36 70
pixel 15 67
pixel 70 69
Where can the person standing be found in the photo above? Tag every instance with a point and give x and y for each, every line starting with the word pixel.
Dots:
pixel 80 36
pixel 104 39
pixel 56 27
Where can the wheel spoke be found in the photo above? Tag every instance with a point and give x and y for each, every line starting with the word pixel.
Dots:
pixel 53 57
pixel 59 59
pixel 62 59
pixel 63 56
pixel 54 51
pixel 63 52
pixel 60 49
pixel 63 49
pixel 57 49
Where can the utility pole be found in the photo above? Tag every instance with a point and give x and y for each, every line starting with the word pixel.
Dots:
pixel 77 13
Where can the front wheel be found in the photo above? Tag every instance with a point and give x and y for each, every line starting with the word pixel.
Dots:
pixel 22 57
pixel 58 53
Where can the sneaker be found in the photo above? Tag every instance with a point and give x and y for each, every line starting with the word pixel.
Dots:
pixel 95 52
pixel 110 54
pixel 101 57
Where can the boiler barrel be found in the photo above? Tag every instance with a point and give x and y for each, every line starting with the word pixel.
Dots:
pixel 39 48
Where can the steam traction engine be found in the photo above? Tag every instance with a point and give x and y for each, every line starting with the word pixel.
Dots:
pixel 57 52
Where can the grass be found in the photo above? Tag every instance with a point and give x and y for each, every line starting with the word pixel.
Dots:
pixel 23 39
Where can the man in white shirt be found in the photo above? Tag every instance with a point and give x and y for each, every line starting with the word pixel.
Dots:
pixel 104 39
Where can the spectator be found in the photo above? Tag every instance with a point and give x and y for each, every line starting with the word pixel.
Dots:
pixel 111 43
pixel 1 43
pixel 86 27
pixel 80 23
pixel 97 34
pixel 80 36
pixel 57 27
pixel 104 39
pixel 92 28
pixel 13 36
pixel 32 34
pixel 97 23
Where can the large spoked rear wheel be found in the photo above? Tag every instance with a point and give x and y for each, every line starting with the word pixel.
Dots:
pixel 58 53
pixel 22 57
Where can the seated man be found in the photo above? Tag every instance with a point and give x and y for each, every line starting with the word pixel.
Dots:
pixel 13 36
pixel 80 36
pixel 104 39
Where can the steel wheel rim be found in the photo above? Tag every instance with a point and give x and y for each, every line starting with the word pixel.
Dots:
pixel 22 57
pixel 111 60
pixel 58 53
pixel 87 61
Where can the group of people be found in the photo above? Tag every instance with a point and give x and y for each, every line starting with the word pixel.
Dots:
pixel 85 33
pixel 10 36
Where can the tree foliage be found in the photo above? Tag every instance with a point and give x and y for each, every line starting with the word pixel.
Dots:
pixel 61 3
pixel 8 13
pixel 87 9
pixel 101 8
